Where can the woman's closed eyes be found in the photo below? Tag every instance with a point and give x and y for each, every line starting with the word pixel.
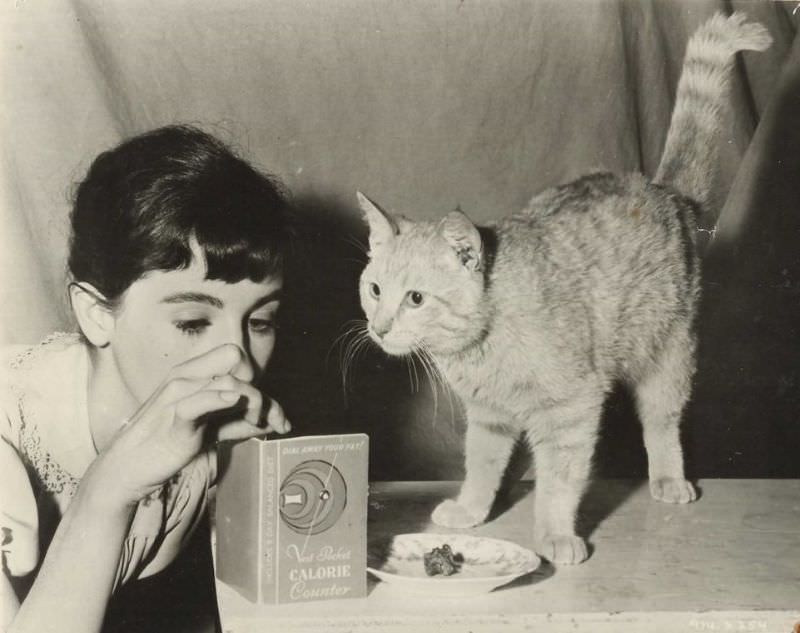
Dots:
pixel 192 327
pixel 260 325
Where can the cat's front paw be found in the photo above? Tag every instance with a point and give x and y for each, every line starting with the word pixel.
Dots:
pixel 451 514
pixel 562 549
pixel 672 490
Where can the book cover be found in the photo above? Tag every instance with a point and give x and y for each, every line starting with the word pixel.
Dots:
pixel 291 518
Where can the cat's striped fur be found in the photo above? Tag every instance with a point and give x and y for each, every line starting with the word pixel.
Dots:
pixel 533 320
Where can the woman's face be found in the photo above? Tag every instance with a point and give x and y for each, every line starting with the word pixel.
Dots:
pixel 168 317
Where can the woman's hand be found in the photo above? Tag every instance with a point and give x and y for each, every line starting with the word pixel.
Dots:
pixel 202 400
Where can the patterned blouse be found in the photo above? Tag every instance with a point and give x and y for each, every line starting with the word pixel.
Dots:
pixel 47 446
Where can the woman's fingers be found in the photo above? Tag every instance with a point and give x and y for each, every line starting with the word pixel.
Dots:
pixel 239 430
pixel 202 393
pixel 195 408
pixel 244 402
pixel 276 419
pixel 238 394
pixel 251 400
pixel 209 397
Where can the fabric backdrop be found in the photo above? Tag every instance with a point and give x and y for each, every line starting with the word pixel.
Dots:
pixel 423 105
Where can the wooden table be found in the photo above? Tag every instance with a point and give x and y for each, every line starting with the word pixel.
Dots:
pixel 729 562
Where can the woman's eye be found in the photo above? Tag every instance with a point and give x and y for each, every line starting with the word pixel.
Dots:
pixel 192 327
pixel 415 298
pixel 374 290
pixel 262 326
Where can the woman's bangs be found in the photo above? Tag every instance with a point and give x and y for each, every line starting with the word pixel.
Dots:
pixel 253 257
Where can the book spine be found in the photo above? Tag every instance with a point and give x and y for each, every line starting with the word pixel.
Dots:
pixel 236 518
pixel 268 551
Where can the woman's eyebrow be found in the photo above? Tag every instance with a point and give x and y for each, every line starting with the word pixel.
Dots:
pixel 275 295
pixel 194 297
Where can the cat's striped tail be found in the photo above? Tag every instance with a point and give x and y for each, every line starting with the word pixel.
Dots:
pixel 692 147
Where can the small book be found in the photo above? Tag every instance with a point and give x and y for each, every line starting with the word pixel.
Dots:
pixel 291 518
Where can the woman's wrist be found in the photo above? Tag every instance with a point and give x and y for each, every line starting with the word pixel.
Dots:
pixel 101 490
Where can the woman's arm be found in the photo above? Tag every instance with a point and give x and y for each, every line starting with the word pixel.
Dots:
pixel 8 602
pixel 76 578
pixel 75 581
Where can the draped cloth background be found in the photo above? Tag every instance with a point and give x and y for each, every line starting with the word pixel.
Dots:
pixel 424 106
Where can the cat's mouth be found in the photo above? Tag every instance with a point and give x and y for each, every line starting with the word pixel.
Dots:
pixel 393 349
pixel 391 346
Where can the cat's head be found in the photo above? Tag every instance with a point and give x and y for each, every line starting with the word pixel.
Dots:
pixel 423 288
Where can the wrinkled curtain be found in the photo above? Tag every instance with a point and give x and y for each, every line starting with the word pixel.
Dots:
pixel 424 105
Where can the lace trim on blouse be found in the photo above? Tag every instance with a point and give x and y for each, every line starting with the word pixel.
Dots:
pixel 52 476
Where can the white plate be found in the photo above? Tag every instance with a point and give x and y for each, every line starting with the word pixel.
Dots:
pixel 488 563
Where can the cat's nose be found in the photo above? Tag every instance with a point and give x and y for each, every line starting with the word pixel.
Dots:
pixel 382 328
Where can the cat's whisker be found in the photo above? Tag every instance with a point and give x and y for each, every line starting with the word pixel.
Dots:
pixel 344 368
pixel 346 353
pixel 349 328
pixel 442 381
pixel 353 260
pixel 436 378
pixel 431 381
pixel 352 341
pixel 348 366
pixel 360 347
pixel 344 343
pixel 407 363
pixel 361 342
pixel 416 375
pixel 357 244
pixel 408 372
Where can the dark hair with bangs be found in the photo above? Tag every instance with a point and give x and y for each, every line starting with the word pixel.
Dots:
pixel 143 203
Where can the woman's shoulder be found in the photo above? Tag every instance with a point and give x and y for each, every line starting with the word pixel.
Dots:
pixel 28 371
pixel 40 369
pixel 31 443
pixel 59 346
pixel 44 412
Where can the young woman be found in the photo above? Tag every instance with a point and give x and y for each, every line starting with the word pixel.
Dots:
pixel 108 436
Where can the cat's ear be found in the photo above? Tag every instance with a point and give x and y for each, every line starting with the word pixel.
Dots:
pixel 403 223
pixel 382 227
pixel 463 237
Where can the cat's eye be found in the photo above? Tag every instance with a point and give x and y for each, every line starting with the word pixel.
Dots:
pixel 374 290
pixel 415 298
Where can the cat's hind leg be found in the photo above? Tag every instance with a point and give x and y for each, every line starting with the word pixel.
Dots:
pixel 488 449
pixel 661 397
pixel 562 462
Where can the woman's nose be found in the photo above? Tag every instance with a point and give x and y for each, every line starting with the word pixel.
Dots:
pixel 243 370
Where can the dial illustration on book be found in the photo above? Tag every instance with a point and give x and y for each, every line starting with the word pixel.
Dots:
pixel 312 497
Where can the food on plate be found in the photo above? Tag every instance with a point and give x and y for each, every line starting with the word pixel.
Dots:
pixel 442 560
